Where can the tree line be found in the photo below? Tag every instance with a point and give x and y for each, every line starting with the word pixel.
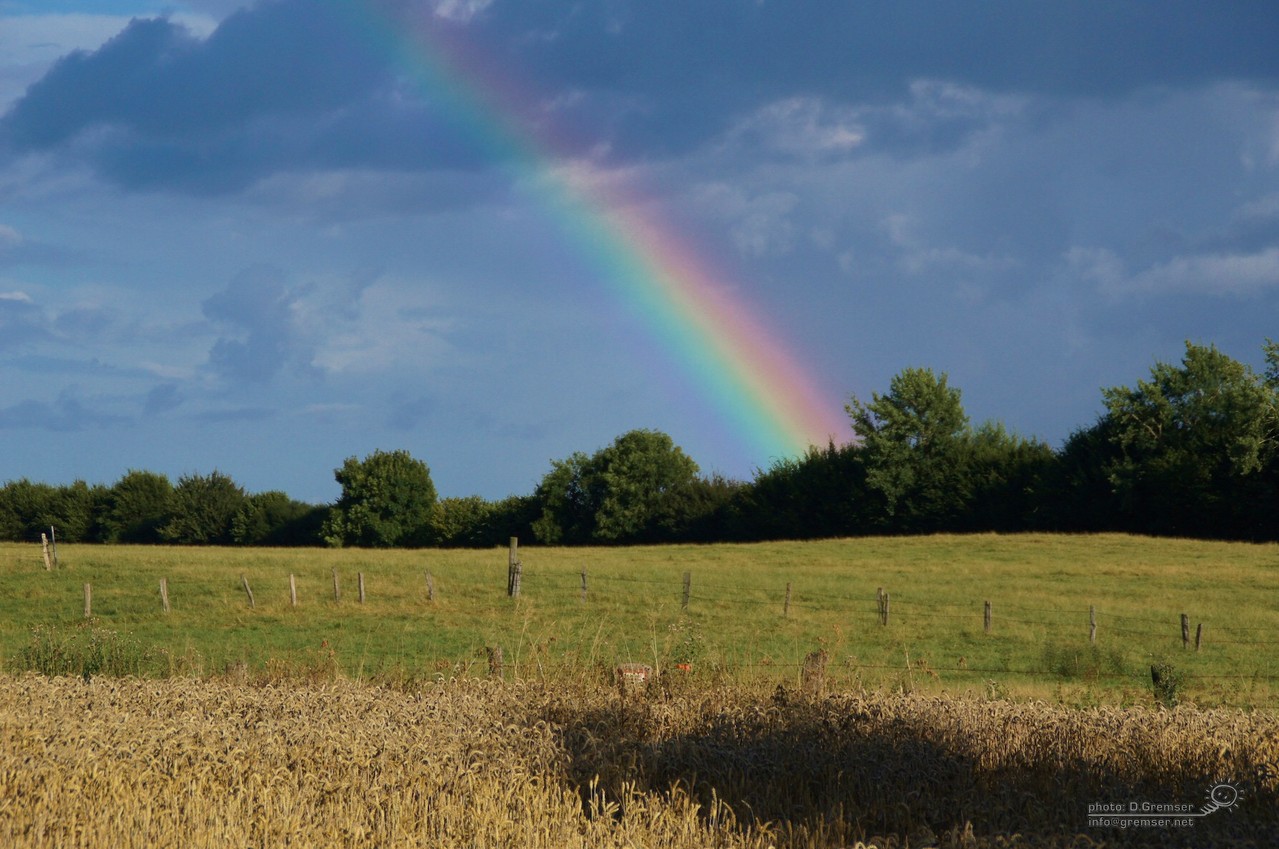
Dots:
pixel 1191 451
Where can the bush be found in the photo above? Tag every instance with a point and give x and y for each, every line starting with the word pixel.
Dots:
pixel 1082 662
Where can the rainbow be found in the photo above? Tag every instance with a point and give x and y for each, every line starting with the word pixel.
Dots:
pixel 746 372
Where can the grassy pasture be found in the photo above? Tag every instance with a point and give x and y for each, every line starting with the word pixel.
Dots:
pixel 1040 587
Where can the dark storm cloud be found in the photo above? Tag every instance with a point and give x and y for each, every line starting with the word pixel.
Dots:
pixel 282 86
pixel 295 85
pixel 1079 47
pixel 666 73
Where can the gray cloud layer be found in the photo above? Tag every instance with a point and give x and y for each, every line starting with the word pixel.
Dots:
pixel 292 85
pixel 279 239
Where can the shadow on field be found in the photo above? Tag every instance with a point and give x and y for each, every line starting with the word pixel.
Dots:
pixel 903 771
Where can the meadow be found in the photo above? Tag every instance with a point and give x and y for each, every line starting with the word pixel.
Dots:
pixel 381 723
pixel 737 627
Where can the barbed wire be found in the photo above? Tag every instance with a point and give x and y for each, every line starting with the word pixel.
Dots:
pixel 1222 635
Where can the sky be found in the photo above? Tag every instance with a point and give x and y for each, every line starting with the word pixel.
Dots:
pixel 260 238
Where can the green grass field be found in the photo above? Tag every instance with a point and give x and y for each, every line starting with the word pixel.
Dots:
pixel 1040 588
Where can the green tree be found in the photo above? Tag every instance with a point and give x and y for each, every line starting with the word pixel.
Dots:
pixel 913 439
pixel 643 476
pixel 1078 494
pixel 1006 478
pixel 26 509
pixel 630 490
pixel 387 499
pixel 462 522
pixel 273 519
pixel 76 510
pixel 568 496
pixel 1192 440
pixel 138 506
pixel 821 494
pixel 203 510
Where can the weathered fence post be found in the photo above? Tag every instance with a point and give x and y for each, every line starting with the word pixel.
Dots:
pixel 813 672
pixel 245 581
pixel 293 590
pixel 986 618
pixel 495 661
pixel 688 586
pixel 164 594
pixel 430 587
pixel 53 544
pixel 583 584
pixel 879 603
pixel 786 603
pixel 359 579
pixel 1199 635
pixel 337 592
pixel 48 558
pixel 1185 631
pixel 1092 623
pixel 513 569
pixel 88 601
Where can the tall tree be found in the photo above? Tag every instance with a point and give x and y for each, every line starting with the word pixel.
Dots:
pixel 26 510
pixel 643 477
pixel 631 490
pixel 913 442
pixel 568 497
pixel 203 510
pixel 1005 478
pixel 822 494
pixel 1192 439
pixel 272 518
pixel 138 505
pixel 387 500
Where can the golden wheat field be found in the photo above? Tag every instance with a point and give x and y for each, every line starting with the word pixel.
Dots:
pixel 476 763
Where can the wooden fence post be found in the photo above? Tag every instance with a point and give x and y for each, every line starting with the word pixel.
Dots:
pixel 359 577
pixel 514 569
pixel 813 675
pixel 164 594
pixel 583 584
pixel 1199 635
pixel 986 618
pixel 879 604
pixel 53 544
pixel 1185 631
pixel 688 586
pixel 245 581
pixel 1092 623
pixel 48 558
pixel 786 603
pixel 293 590
pixel 88 601
pixel 430 587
